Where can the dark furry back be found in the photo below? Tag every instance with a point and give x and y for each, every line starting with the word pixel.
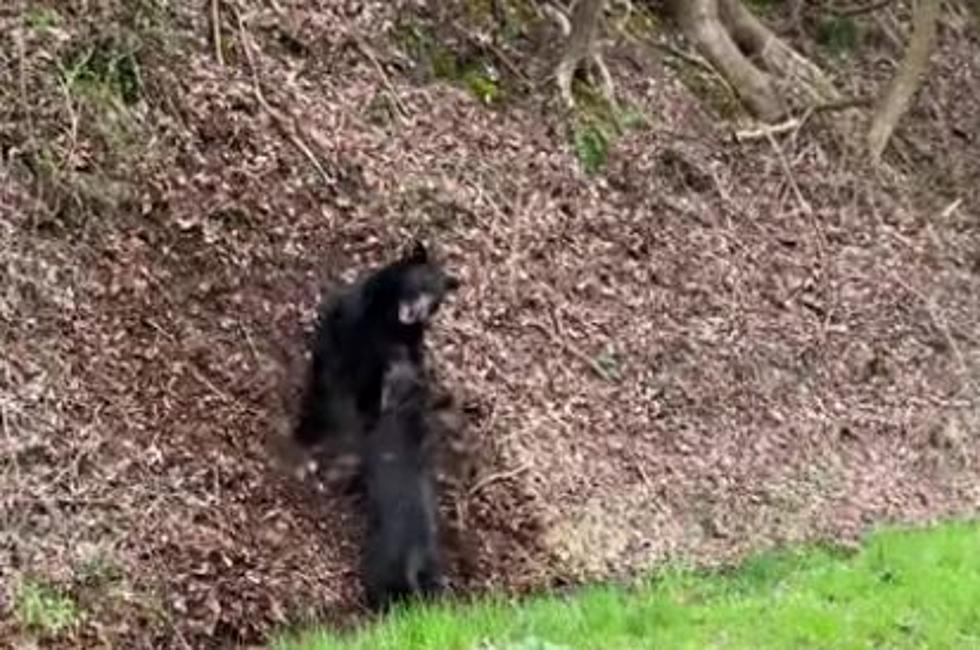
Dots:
pixel 356 331
pixel 401 557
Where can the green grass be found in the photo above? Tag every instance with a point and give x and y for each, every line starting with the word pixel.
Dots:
pixel 903 589
pixel 42 608
pixel 597 124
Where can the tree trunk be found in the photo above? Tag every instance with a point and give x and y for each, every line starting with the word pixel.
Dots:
pixel 907 79
pixel 701 22
pixel 582 49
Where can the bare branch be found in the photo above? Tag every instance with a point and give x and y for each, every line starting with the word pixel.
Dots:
pixel 769 130
pixel 858 10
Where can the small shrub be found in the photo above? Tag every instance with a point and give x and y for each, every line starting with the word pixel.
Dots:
pixel 597 125
pixel 106 71
pixel 42 18
pixel 481 79
pixel 838 35
pixel 591 146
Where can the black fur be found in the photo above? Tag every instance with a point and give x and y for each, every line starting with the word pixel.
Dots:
pixel 401 557
pixel 355 334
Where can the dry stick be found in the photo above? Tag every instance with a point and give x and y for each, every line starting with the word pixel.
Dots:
pixel 804 205
pixel 28 112
pixel 251 344
pixel 690 57
pixel 216 31
pixel 791 124
pixel 496 51
pixel 939 323
pixel 951 208
pixel 4 419
pixel 857 11
pixel 277 117
pixel 790 177
pixel 891 31
pixel 384 77
pixel 73 119
pixel 794 124
pixel 908 78
pixel 207 383
pixel 573 350
pixel 50 501
pixel 497 477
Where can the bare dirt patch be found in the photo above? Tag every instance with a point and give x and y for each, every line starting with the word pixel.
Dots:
pixel 682 356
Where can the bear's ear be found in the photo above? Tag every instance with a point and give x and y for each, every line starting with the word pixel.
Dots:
pixel 418 253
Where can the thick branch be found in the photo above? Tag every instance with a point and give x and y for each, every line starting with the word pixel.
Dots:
pixel 908 78
pixel 701 23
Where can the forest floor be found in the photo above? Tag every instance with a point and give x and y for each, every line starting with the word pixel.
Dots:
pixel 704 348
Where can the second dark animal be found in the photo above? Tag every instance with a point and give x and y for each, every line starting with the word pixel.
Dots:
pixel 356 331
pixel 401 557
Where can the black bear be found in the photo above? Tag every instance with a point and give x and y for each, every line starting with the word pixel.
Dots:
pixel 401 557
pixel 355 333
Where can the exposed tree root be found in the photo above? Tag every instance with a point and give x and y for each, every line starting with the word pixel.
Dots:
pixel 701 23
pixel 582 50
pixel 757 40
pixel 751 57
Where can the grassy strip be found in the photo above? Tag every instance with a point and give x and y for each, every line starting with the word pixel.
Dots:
pixel 903 589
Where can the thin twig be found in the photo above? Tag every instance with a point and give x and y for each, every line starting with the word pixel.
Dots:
pixel 790 177
pixel 49 501
pixel 857 11
pixel 385 80
pixel 769 130
pixel 794 124
pixel 251 344
pixel 496 51
pixel 5 419
pixel 573 350
pixel 216 31
pixel 278 118
pixel 497 477
pixel 67 161
pixel 196 372
pixel 951 208
pixel 22 88
pixel 939 323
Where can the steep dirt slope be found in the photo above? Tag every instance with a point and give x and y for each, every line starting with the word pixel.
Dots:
pixel 706 348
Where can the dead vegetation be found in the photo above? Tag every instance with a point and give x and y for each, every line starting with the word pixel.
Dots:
pixel 705 347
